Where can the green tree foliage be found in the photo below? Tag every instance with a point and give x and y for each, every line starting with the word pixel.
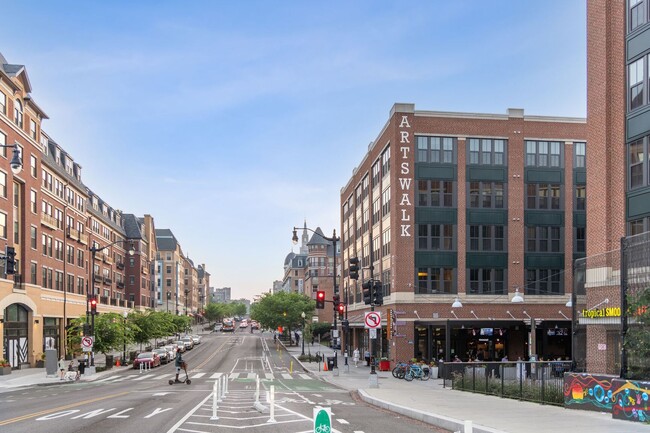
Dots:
pixel 110 333
pixel 282 309
pixel 214 312
pixel 637 340
pixel 238 309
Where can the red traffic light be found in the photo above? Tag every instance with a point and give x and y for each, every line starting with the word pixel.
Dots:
pixel 320 299
pixel 341 308
pixel 93 306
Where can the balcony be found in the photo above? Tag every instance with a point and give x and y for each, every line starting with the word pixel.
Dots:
pixel 103 300
pixel 119 265
pixel 108 280
pixel 76 235
pixel 107 259
pixel 98 278
pixel 49 221
pixel 120 284
pixel 145 270
pixel 114 302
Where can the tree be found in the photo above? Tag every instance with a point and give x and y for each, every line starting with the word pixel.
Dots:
pixel 637 339
pixel 214 312
pixel 109 333
pixel 282 309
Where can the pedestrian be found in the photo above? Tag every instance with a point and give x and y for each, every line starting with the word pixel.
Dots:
pixel 62 367
pixel 366 355
pixel 355 357
pixel 312 340
pixel 179 363
pixel 275 337
pixel 297 337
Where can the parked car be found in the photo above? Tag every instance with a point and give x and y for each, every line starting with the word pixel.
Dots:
pixel 180 345
pixel 171 350
pixel 217 327
pixel 196 339
pixel 189 343
pixel 150 358
pixel 163 355
pixel 243 324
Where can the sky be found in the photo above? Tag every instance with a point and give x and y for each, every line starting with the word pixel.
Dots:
pixel 231 122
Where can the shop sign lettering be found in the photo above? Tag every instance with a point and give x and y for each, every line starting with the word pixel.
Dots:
pixel 405 182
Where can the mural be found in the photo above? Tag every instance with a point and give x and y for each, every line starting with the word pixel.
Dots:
pixel 631 400
pixel 588 391
pixel 625 399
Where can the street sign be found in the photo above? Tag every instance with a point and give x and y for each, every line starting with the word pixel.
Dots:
pixel 87 343
pixel 372 332
pixel 322 420
pixel 373 320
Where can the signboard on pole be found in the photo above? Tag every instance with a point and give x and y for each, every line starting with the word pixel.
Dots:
pixel 373 320
pixel 87 343
pixel 322 419
pixel 372 332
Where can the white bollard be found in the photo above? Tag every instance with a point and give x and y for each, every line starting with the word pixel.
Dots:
pixel 257 389
pixel 468 427
pixel 222 383
pixel 219 390
pixel 215 393
pixel 226 381
pixel 141 367
pixel 272 408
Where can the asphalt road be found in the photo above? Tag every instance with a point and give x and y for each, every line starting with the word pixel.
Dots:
pixel 130 401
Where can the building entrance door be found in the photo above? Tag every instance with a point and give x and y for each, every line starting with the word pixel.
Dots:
pixel 15 335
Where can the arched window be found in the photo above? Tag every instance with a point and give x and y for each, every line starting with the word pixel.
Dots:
pixel 18 113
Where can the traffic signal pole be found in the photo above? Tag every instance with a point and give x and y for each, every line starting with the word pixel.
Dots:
pixel 373 379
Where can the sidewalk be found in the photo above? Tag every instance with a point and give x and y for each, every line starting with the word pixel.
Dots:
pixel 431 403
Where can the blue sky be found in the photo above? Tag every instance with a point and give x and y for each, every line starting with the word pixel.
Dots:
pixel 232 121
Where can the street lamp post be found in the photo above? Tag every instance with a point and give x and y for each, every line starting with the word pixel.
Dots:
pixel 333 240
pixel 124 339
pixel 303 332
pixel 169 298
pixel 187 292
pixel 16 163
pixel 94 249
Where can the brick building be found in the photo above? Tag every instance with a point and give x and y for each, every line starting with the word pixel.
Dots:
pixel 467 209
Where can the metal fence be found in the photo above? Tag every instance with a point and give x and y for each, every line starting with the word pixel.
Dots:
pixel 540 382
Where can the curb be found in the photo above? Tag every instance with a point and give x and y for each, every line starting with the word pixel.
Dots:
pixel 441 421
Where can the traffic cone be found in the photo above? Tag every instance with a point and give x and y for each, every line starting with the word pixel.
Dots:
pixel 325 365
pixel 117 363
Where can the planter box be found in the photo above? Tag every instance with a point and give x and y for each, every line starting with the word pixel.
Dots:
pixel 384 365
pixel 5 371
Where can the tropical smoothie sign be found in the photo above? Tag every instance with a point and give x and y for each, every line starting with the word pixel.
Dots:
pixel 602 312
pixel 405 181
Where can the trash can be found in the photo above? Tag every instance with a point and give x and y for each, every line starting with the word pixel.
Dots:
pixel 330 363
pixel 82 366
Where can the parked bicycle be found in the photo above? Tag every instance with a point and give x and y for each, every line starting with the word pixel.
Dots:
pixel 418 372
pixel 400 370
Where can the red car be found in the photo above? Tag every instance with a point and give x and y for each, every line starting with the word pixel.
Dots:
pixel 148 358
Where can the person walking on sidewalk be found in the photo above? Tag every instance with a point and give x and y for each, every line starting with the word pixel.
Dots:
pixel 62 367
pixel 366 355
pixel 355 357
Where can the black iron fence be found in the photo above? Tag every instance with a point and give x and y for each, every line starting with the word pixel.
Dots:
pixel 540 382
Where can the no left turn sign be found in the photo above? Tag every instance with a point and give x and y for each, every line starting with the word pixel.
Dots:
pixel 87 344
pixel 373 320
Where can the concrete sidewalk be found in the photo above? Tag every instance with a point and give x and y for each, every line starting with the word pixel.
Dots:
pixel 431 403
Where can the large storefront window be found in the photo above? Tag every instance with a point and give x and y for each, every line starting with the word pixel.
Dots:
pixel 15 335
pixel 51 338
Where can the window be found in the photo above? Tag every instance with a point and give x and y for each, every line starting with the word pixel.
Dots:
pixel 580 242
pixel 543 154
pixel 376 170
pixel 543 196
pixel 486 195
pixel 3 225
pixel 385 162
pixel 32 129
pixel 543 239
pixel 3 141
pixel 168 269
pixel 33 237
pixel 58 250
pixel 33 270
pixel 58 280
pixel 486 238
pixel 544 282
pixel 486 282
pixel 69 254
pixel 486 151
pixel 436 150
pixel 638 226
pixel 435 237
pixel 3 103
pixel 637 13
pixel 18 113
pixel 385 282
pixel 637 159
pixel 80 285
pixel 385 243
pixel 3 184
pixel 436 193
pixel 376 211
pixel 435 281
pixel 80 258
pixel 385 202
pixel 635 83
pixel 168 282
pixel 581 197
pixel 580 155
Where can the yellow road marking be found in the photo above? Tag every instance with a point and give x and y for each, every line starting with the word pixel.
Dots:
pixel 58 409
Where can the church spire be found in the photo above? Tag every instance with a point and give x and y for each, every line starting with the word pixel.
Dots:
pixel 305 238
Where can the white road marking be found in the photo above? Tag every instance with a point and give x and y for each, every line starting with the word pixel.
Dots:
pixel 268 376
pixel 305 376
pixel 216 375
pixel 198 375
pixel 148 376
pixel 286 376
pixel 342 421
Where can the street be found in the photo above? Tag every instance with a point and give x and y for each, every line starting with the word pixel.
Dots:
pixel 130 400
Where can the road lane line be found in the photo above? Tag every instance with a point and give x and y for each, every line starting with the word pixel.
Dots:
pixel 305 376
pixel 189 414
pixel 216 375
pixel 58 409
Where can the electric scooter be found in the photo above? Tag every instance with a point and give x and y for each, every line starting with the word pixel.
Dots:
pixel 186 380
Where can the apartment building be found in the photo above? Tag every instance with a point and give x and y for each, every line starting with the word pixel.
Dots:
pixel 140 269
pixel 471 223
pixel 203 287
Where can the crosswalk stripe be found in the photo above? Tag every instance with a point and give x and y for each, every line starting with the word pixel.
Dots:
pixel 304 376
pixel 286 376
pixel 216 375
pixel 146 376
pixel 119 379
pixel 198 375
pixel 268 375
pixel 252 375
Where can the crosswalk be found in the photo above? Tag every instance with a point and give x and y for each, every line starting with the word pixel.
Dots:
pixel 136 377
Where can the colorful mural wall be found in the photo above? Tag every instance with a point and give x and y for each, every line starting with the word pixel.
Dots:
pixel 626 399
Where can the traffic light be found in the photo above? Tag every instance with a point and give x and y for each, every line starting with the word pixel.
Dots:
pixel 377 293
pixel 86 329
pixel 341 309
pixel 367 292
pixel 336 300
pixel 345 324
pixel 354 268
pixel 93 306
pixel 320 299
pixel 10 257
